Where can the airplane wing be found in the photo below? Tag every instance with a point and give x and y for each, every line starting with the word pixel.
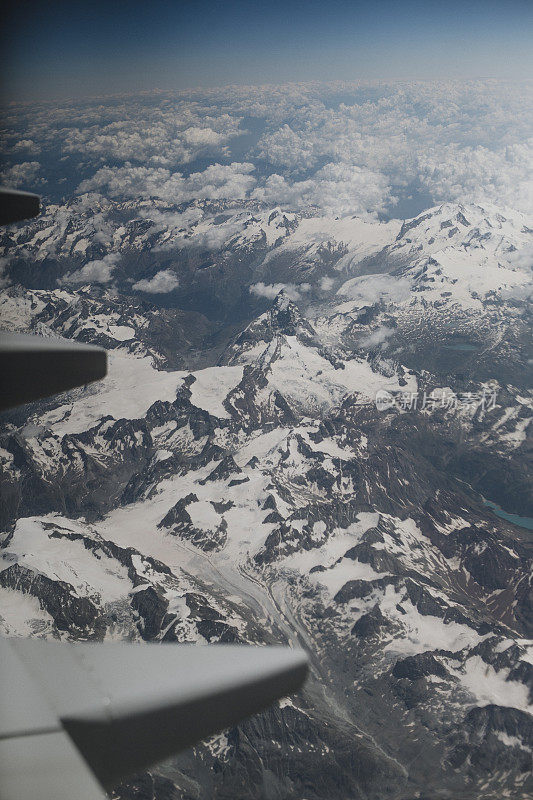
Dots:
pixel 33 367
pixel 16 206
pixel 47 766
pixel 71 711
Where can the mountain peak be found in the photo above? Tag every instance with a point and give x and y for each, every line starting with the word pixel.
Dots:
pixel 282 301
pixel 285 317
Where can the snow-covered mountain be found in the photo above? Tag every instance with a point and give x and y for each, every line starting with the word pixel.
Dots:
pixel 233 479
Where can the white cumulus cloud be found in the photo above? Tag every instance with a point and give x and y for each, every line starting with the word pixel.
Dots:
pixel 21 176
pixel 336 189
pixel 96 271
pixel 162 282
pixel 271 290
pixel 326 284
pixel 377 337
pixel 216 182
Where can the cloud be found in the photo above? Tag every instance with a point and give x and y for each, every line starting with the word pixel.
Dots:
pixel 162 282
pixel 342 148
pixel 367 290
pixel 172 221
pixel 271 290
pixel 504 176
pixel 203 136
pixel 523 260
pixel 335 189
pixel 97 271
pixel 28 145
pixel 377 337
pixel 216 182
pixel 452 139
pixel 21 175
pixel 154 135
pixel 326 284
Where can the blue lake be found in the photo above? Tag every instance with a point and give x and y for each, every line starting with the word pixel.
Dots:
pixel 522 522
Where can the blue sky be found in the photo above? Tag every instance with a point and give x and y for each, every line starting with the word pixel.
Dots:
pixel 54 49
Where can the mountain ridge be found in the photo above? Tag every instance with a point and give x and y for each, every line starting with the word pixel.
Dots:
pixel 259 494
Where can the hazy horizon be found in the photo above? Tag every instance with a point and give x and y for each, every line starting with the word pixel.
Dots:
pixel 63 52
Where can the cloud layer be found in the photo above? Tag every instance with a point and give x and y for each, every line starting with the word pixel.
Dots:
pixel 232 181
pixel 343 148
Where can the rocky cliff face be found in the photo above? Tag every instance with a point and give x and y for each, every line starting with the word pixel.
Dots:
pixel 238 483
